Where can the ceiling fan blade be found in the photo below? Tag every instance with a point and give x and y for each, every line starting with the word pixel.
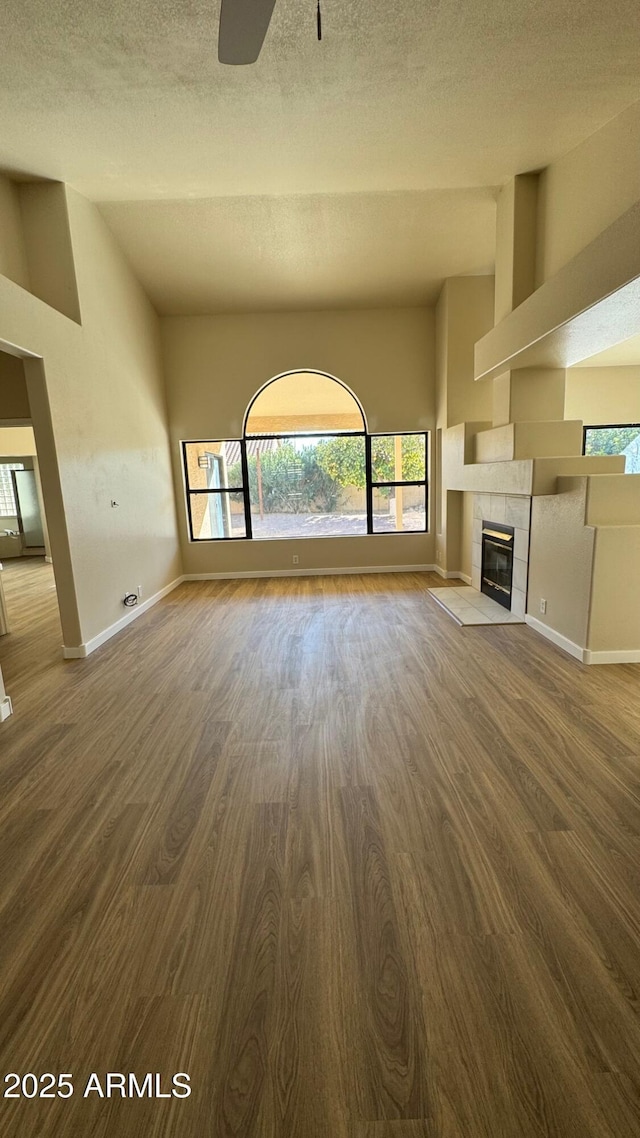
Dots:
pixel 243 27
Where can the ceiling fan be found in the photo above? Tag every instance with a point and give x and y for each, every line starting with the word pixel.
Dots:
pixel 243 27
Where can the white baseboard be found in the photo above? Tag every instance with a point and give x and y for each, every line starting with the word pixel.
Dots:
pixel 82 650
pixel 6 708
pixel 624 656
pixel 451 574
pixel 584 655
pixel 241 574
pixel 49 560
pixel 556 638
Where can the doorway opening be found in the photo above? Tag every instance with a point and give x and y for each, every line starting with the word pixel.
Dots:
pixel 30 631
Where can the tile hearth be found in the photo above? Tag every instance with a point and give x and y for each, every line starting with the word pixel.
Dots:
pixel 469 606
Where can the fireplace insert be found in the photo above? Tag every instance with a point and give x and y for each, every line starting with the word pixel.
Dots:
pixel 497 562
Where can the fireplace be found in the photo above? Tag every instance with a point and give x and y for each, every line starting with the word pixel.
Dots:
pixel 497 562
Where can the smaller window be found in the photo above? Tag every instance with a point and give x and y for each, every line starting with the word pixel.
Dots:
pixel 399 483
pixel 8 506
pixel 216 490
pixel 621 438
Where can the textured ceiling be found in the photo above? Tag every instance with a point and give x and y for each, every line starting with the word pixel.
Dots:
pixel 326 251
pixel 127 100
pixel 336 148
pixel 625 354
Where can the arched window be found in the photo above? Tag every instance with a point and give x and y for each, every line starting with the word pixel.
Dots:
pixel 303 402
pixel 306 467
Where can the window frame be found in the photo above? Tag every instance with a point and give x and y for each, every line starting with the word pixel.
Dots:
pixel 370 485
pixel 10 466
pixel 603 427
pixel 244 490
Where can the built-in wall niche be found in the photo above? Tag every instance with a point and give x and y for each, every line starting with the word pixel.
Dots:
pixel 36 239
pixel 14 400
pixel 514 512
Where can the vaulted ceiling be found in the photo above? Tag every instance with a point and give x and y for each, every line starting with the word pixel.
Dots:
pixel 312 251
pixel 323 142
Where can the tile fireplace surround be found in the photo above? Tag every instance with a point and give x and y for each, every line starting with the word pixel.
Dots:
pixel 512 510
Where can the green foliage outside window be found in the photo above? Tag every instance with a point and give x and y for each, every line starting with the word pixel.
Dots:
pixel 609 440
pixel 293 482
pixel 343 459
pixel 383 466
pixel 314 478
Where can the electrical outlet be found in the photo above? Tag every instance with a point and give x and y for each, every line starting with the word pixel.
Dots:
pixel 296 559
pixel 139 591
pixel 543 605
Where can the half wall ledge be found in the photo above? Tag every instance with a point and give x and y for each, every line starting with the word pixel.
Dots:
pixel 589 305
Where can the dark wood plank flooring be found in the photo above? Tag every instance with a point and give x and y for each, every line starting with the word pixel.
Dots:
pixel 359 872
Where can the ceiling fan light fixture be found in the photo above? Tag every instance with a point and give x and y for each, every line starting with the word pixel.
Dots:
pixel 243 28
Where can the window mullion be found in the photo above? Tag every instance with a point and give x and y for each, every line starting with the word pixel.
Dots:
pixel 367 460
pixel 247 497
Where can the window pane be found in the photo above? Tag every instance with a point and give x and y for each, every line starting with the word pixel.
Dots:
pixel 304 403
pixel 7 499
pixel 309 487
pixel 217 515
pixel 213 465
pixel 398 458
pixel 399 509
pixel 624 440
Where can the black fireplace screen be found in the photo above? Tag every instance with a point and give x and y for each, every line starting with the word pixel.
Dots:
pixel 497 562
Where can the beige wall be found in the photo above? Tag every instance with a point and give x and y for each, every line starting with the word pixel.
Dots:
pixel 98 408
pixel 614 623
pixel 35 242
pixel 588 573
pixel 14 401
pixel 13 256
pixel 17 441
pixel 466 535
pixel 464 312
pixel 603 394
pixel 516 224
pixel 586 190
pixel 586 250
pixel 215 365
pixel 470 303
pixel 47 242
pixel 561 560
